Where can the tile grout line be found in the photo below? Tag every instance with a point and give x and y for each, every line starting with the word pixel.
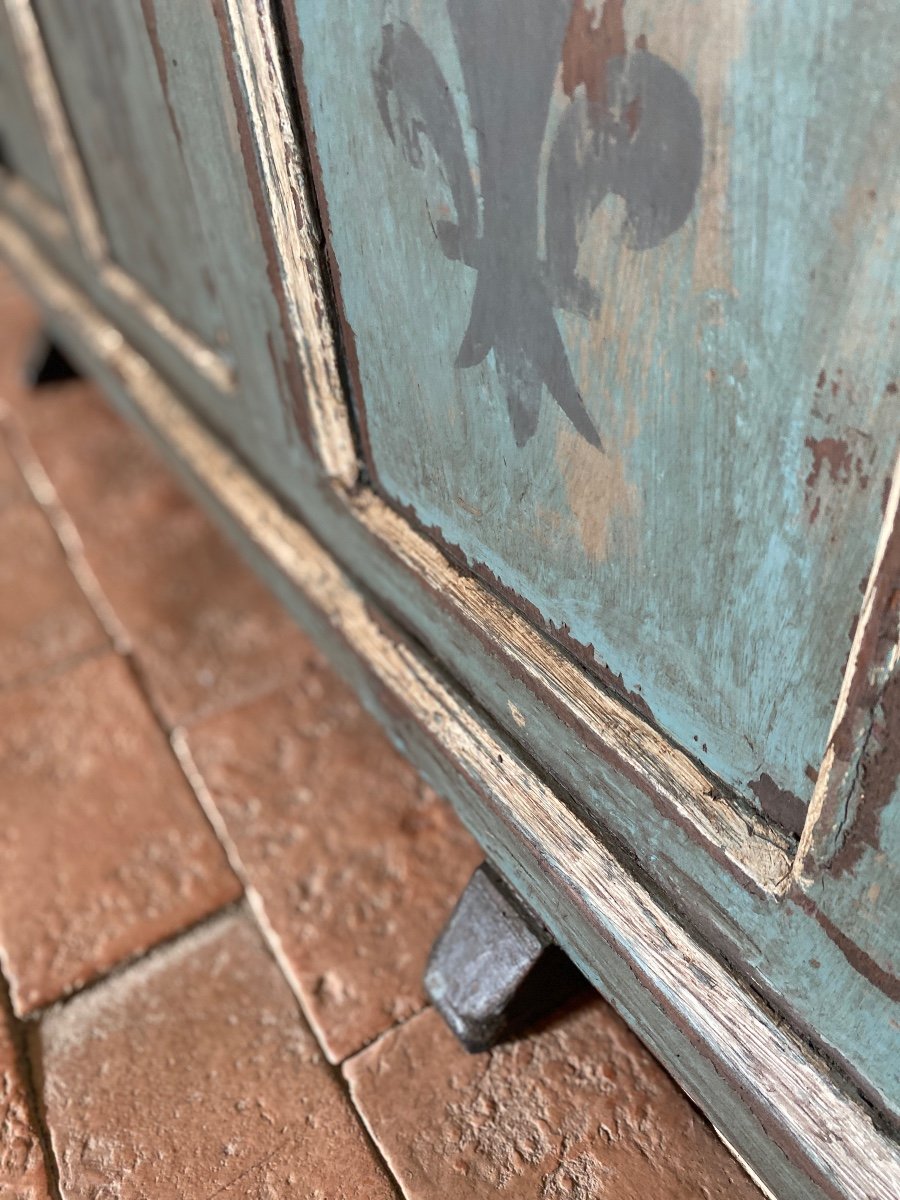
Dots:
pixel 19 1032
pixel 47 498
pixel 35 1015
pixel 274 945
pixel 45 495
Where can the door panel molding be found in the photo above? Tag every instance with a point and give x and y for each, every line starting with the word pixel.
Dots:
pixel 748 842
pixel 251 36
pixel 776 1104
pixel 76 188
pixel 838 806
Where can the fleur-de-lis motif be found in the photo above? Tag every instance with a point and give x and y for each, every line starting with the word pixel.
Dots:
pixel 632 128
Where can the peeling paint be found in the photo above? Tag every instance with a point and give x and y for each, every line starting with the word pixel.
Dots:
pixel 781 805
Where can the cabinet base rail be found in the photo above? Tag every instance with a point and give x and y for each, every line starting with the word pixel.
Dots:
pixel 803 1134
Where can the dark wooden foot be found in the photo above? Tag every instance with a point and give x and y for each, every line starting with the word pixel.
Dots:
pixel 494 969
pixel 48 364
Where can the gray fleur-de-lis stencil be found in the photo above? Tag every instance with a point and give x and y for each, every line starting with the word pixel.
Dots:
pixel 632 128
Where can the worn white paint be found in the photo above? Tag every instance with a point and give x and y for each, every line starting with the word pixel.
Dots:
pixel 836 779
pixel 258 54
pixel 713 1034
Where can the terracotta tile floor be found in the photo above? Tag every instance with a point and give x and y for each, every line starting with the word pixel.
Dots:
pixel 219 884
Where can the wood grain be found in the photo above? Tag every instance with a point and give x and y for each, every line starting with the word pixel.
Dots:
pixel 774 1102
pixel 257 54
pixel 737 372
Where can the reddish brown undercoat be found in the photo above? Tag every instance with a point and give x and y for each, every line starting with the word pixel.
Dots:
pixel 783 806
pixel 863 726
pixel 590 42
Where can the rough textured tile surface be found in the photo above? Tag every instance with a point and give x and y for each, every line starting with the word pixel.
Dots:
pixel 23 1175
pixel 577 1111
pixel 103 847
pixel 206 633
pixel 45 619
pixel 13 489
pixel 192 1075
pixel 19 324
pixel 358 862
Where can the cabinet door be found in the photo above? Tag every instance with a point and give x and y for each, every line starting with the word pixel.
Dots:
pixel 618 284
pixel 624 327
pixel 615 292
pixel 145 106
pixel 113 89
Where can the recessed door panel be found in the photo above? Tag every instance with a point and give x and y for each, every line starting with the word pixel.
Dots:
pixel 618 280
pixel 112 86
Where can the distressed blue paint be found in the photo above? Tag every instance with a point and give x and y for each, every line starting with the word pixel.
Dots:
pixel 702 596
pixel 114 96
pixel 23 146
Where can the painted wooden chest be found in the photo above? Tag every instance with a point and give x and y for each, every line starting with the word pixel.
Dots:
pixel 543 356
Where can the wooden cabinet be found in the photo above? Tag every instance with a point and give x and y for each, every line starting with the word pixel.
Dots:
pixel 542 354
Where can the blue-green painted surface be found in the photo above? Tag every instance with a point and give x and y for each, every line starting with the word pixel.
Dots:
pixel 114 91
pixel 22 146
pixel 793 956
pixel 736 372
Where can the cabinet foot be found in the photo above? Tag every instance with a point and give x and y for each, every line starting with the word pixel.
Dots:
pixel 494 969
pixel 46 363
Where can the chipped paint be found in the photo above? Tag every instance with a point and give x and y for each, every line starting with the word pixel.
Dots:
pixel 603 502
pixel 678 569
pixel 786 809
pixel 591 40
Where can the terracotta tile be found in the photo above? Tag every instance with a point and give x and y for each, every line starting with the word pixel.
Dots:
pixel 23 1175
pixel 103 847
pixel 191 1075
pixel 13 489
pixel 20 322
pixel 357 862
pixel 205 630
pixel 45 618
pixel 577 1111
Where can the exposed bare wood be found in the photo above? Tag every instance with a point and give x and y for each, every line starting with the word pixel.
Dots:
pixel 864 678
pixel 754 847
pixel 257 53
pixel 776 1104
